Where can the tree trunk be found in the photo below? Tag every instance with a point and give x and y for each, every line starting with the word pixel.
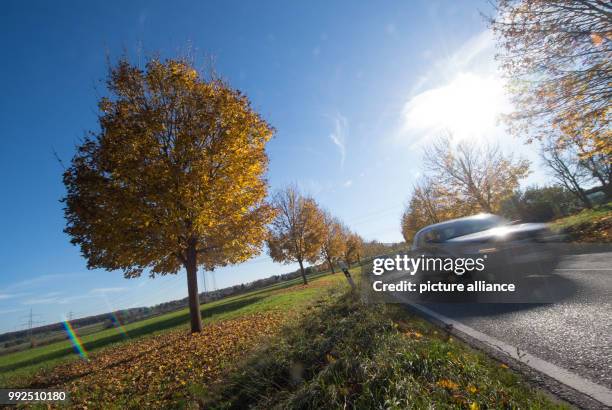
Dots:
pixel 607 189
pixel 303 273
pixel 572 185
pixel 192 289
pixel 584 198
pixel 587 201
pixel 331 265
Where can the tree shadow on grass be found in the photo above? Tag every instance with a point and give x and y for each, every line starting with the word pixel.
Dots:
pixel 154 326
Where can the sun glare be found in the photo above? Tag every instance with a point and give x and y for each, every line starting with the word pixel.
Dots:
pixel 468 106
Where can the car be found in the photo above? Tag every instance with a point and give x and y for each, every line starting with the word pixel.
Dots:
pixel 505 246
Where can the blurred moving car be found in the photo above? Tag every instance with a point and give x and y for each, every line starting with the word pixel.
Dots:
pixel 506 246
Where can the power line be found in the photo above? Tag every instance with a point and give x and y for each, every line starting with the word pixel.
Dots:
pixel 30 324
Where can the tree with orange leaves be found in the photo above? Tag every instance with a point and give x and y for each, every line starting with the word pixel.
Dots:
pixel 297 232
pixel 174 178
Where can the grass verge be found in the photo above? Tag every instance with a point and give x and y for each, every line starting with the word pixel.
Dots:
pixel 347 354
pixel 589 225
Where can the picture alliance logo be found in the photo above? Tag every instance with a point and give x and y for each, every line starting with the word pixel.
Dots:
pixel 404 263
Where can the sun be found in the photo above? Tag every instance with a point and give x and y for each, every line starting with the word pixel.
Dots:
pixel 468 106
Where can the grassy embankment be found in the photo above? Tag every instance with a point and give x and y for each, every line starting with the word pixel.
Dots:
pixel 345 353
pixel 291 346
pixel 589 225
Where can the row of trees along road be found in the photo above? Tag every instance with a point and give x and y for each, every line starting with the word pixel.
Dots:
pixel 174 179
pixel 303 232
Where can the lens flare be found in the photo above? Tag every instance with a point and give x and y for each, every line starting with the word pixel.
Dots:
pixel 74 339
pixel 118 325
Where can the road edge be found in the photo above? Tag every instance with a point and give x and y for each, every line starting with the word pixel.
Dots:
pixel 562 383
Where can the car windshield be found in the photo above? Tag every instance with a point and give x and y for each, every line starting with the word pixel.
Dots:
pixel 466 227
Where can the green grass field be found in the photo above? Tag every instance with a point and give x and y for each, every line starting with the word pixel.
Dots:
pixel 21 364
pixel 51 337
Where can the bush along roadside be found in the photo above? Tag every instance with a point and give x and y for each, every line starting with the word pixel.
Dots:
pixel 348 354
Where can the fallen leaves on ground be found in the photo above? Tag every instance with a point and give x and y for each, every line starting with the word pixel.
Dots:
pixel 447 384
pixel 596 230
pixel 159 370
pixel 413 334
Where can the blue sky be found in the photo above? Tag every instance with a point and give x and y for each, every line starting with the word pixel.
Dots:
pixel 354 90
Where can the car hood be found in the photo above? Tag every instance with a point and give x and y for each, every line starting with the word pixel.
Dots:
pixel 500 232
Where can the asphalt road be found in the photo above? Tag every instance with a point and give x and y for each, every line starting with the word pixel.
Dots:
pixel 575 333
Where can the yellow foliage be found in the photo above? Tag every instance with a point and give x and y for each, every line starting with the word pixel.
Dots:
pixel 178 165
pixel 447 384
pixel 298 230
pixel 562 79
pixel 353 248
pixel 334 244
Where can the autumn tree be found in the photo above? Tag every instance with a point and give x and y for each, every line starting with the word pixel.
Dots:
pixel 173 179
pixel 477 177
pixel 430 203
pixel 409 223
pixel 459 181
pixel 567 168
pixel 557 54
pixel 597 162
pixel 353 247
pixel 297 232
pixel 333 246
pixel 423 209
